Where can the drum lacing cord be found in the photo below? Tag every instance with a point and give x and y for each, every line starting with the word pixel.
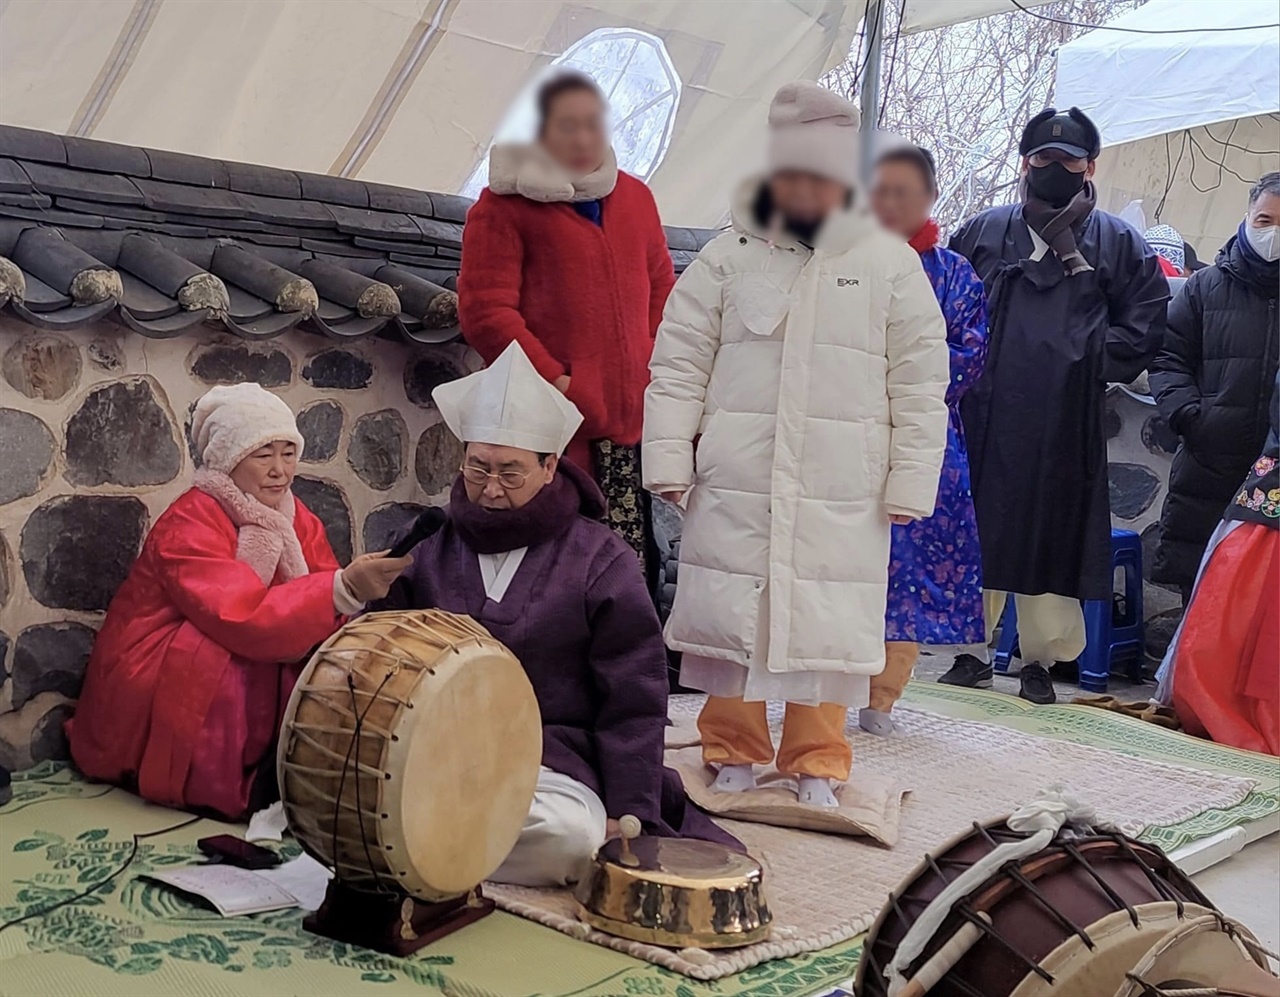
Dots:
pixel 1041 818
pixel 353 748
pixel 1158 884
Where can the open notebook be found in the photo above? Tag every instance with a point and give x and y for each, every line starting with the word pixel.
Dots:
pixel 235 892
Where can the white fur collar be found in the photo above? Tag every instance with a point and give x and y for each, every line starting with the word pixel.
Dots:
pixel 527 170
pixel 267 541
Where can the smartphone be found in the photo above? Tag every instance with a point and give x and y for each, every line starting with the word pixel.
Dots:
pixel 238 852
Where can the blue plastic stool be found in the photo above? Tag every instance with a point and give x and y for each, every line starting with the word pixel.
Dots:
pixel 1113 627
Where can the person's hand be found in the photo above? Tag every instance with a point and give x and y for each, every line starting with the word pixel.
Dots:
pixel 562 383
pixel 901 520
pixel 611 830
pixel 675 498
pixel 369 576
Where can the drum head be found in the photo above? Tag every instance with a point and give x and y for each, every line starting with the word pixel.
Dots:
pixel 463 766
pixel 1203 952
pixel 1118 943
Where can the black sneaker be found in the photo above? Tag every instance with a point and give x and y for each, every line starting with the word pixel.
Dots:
pixel 1065 671
pixel 1037 687
pixel 969 672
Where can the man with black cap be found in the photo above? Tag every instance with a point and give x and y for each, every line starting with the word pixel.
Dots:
pixel 1076 299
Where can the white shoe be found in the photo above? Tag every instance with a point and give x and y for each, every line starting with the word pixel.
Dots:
pixel 875 722
pixel 816 792
pixel 734 779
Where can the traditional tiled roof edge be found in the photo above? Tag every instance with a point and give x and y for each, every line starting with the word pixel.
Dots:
pixel 163 241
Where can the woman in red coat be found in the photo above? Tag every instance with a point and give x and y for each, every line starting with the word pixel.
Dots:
pixel 202 643
pixel 566 256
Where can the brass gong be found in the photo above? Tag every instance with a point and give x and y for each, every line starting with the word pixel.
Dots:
pixel 675 892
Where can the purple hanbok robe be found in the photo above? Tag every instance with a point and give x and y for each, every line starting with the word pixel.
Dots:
pixel 578 616
pixel 935 564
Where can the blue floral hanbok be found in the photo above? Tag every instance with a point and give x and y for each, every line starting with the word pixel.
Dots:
pixel 935 565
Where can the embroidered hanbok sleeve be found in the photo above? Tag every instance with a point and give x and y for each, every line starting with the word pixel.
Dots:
pixel 965 310
pixel 629 666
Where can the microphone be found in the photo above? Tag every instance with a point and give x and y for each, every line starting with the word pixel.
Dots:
pixel 423 527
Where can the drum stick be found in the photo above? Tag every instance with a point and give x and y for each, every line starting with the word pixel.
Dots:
pixel 942 961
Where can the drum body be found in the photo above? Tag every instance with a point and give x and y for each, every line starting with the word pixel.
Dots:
pixel 677 892
pixel 1045 909
pixel 409 754
pixel 1204 953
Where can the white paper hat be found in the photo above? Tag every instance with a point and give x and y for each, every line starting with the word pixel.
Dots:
pixel 508 404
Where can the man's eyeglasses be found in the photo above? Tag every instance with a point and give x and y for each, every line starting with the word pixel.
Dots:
pixel 509 480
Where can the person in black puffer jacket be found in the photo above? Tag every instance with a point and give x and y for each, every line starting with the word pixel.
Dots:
pixel 1212 381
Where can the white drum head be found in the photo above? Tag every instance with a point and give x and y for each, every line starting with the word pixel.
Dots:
pixel 1209 952
pixel 460 789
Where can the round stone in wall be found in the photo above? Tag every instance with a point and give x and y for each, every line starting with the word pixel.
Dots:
pixel 50 657
pixel 121 435
pixel 4 656
pixel 376 450
pixel 42 366
pixel 28 452
pixel 388 523
pixel 321 428
pixel 49 735
pixel 338 369
pixel 1150 538
pixel 425 374
pixel 106 353
pixel 1158 437
pixel 1111 421
pixel 326 500
pixel 77 549
pixel 1133 488
pixel 236 364
pixel 1158 631
pixel 437 459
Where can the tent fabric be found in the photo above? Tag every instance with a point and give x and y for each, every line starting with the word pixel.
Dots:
pixel 925 15
pixel 1188 120
pixel 1136 86
pixel 406 92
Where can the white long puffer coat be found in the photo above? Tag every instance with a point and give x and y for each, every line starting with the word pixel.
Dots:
pixel 813 384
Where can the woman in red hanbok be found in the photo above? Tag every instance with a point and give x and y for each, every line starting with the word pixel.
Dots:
pixel 202 643
pixel 1222 670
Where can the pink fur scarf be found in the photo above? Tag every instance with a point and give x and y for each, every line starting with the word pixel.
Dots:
pixel 267 541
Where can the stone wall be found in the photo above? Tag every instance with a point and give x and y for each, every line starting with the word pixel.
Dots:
pixel 94 446
pixel 1140 449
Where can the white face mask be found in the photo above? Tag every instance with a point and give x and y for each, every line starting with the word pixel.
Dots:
pixel 1265 241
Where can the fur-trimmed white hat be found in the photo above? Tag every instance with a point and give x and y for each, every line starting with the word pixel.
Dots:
pixel 231 421
pixel 813 130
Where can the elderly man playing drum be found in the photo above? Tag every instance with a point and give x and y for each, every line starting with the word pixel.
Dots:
pixel 525 553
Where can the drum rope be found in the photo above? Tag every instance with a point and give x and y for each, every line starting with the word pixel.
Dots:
pixel 346 765
pixel 1041 819
pixel 1157 882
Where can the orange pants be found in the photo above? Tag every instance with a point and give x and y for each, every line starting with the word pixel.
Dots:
pixel 735 732
pixel 899 662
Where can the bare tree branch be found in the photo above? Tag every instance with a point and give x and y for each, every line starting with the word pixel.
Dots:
pixel 965 92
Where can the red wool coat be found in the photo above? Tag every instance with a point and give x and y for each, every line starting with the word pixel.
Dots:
pixel 196 659
pixel 580 299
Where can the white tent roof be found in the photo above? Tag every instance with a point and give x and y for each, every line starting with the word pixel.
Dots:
pixel 1138 85
pixel 411 92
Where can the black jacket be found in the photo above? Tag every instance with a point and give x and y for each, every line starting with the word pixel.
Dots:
pixel 1212 382
pixel 1033 420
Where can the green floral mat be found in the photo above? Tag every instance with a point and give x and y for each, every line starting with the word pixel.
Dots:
pixel 133 938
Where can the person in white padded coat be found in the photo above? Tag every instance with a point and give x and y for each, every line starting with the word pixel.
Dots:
pixel 797 401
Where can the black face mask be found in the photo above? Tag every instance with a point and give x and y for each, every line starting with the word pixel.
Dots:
pixel 1054 183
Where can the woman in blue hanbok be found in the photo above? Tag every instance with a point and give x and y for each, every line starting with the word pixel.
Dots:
pixel 935 574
